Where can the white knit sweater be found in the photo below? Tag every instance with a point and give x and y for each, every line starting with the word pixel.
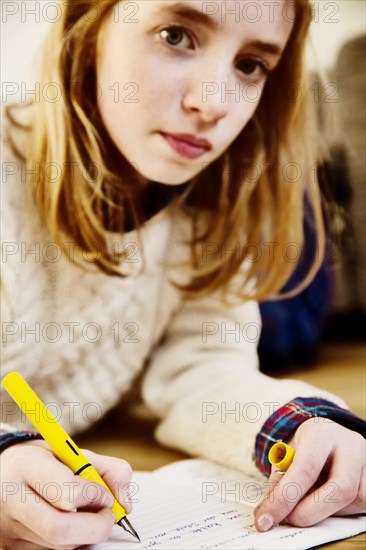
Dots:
pixel 80 338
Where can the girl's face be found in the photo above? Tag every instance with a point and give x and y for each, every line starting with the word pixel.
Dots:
pixel 190 67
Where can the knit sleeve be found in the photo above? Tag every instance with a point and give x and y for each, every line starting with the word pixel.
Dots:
pixel 204 383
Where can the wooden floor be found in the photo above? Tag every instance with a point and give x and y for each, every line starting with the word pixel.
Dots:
pixel 340 369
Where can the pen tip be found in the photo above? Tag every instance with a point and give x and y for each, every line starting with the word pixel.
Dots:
pixel 128 527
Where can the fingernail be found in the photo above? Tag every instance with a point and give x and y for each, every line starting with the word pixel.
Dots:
pixel 265 522
pixel 108 500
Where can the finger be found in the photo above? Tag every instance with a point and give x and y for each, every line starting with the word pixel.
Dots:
pixel 54 528
pixel 25 544
pixel 298 480
pixel 358 506
pixel 19 534
pixel 117 474
pixel 273 480
pixel 339 492
pixel 268 489
pixel 19 545
pixel 269 495
pixel 71 492
pixel 57 484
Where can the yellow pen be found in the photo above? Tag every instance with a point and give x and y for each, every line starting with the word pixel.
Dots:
pixel 59 441
pixel 281 456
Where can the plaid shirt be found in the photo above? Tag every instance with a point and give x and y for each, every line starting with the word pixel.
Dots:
pixel 8 438
pixel 281 425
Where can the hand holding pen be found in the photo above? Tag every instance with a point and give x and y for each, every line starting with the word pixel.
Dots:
pixel 325 477
pixel 37 489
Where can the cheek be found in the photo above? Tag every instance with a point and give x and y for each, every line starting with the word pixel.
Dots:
pixel 159 83
pixel 241 115
pixel 144 90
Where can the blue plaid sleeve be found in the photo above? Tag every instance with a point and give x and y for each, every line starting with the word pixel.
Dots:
pixel 281 425
pixel 9 438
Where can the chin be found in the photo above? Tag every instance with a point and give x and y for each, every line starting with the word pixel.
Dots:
pixel 166 178
pixel 164 181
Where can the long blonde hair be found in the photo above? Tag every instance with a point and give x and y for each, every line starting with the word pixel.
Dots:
pixel 257 187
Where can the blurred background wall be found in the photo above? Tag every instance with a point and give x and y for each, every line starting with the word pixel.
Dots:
pixel 334 23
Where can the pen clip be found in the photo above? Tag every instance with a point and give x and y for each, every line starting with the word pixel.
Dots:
pixel 72 447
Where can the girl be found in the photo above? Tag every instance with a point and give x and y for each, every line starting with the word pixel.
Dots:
pixel 147 205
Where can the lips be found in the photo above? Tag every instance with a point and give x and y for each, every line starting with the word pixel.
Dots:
pixel 187 145
pixel 192 140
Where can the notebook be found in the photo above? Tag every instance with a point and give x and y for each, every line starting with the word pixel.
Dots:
pixel 196 504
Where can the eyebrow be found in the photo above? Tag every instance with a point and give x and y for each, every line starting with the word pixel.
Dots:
pixel 190 13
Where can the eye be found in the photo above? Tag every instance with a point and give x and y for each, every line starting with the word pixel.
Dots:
pixel 252 66
pixel 174 34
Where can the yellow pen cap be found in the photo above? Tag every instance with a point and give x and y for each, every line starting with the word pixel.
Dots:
pixel 281 455
pixel 44 421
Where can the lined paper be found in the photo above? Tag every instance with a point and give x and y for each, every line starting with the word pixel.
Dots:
pixel 170 510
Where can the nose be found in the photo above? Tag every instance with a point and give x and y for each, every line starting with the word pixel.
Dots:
pixel 206 97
